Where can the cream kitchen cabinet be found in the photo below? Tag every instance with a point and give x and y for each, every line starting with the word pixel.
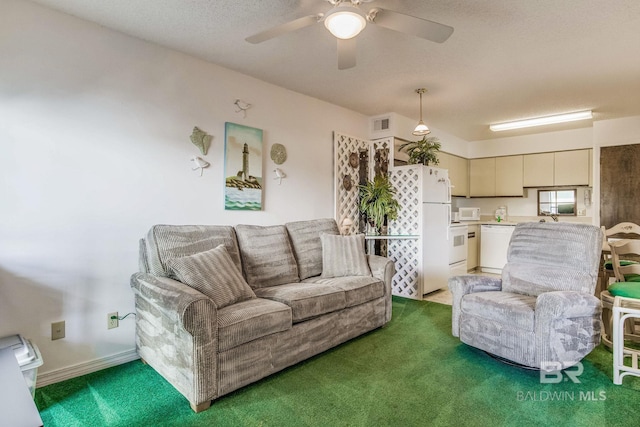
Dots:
pixel 557 169
pixel 482 177
pixel 458 173
pixel 538 170
pixel 571 167
pixel 509 176
pixel 495 176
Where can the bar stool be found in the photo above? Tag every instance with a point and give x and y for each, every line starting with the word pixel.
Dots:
pixel 626 310
pixel 623 230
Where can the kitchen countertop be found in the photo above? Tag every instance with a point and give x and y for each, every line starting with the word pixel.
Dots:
pixel 514 220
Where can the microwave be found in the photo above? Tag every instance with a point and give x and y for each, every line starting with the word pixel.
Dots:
pixel 469 214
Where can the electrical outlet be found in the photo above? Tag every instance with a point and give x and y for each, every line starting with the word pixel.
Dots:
pixel 57 330
pixel 112 320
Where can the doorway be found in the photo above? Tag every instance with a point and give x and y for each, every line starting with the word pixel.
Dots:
pixel 619 185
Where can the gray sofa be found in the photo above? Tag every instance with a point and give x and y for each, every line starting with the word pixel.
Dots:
pixel 286 306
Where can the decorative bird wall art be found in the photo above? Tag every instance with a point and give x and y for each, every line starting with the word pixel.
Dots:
pixel 279 175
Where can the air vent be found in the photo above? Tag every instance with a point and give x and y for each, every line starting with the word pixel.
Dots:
pixel 381 125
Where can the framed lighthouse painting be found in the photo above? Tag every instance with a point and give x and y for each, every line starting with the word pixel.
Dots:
pixel 242 167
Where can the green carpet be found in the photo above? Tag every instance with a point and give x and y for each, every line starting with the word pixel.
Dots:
pixel 410 373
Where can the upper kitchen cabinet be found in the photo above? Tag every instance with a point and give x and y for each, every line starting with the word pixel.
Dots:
pixel 458 173
pixel 496 177
pixel 538 170
pixel 509 176
pixel 557 169
pixel 482 177
pixel 571 167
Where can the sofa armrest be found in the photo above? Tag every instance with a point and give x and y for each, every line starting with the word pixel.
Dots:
pixel 468 284
pixel 383 268
pixel 568 321
pixel 176 333
pixel 175 300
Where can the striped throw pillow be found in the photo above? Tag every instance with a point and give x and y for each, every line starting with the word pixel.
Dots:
pixel 213 273
pixel 343 256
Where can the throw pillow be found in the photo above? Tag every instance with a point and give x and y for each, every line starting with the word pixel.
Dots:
pixel 625 289
pixel 343 256
pixel 213 273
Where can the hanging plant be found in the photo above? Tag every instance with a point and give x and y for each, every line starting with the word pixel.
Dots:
pixel 377 201
pixel 423 152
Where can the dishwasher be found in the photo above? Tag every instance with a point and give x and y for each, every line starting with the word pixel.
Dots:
pixel 494 242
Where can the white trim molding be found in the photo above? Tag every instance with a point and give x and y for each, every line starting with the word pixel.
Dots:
pixel 84 368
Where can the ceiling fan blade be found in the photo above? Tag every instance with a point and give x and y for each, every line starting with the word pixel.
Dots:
pixel 346 53
pixel 294 25
pixel 407 24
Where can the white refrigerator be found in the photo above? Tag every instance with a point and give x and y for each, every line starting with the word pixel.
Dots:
pixel 436 221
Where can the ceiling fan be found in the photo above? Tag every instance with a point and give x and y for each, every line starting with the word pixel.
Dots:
pixel 346 20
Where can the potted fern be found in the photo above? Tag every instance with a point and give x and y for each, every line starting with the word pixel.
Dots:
pixel 378 202
pixel 424 151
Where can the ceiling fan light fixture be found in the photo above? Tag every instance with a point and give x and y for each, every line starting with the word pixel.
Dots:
pixel 421 129
pixel 541 121
pixel 345 22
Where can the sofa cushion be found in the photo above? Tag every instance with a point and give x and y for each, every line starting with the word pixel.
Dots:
pixel 164 242
pixel 344 256
pixel 267 257
pixel 507 308
pixel 357 289
pixel 248 320
pixel 307 246
pixel 306 300
pixel 214 274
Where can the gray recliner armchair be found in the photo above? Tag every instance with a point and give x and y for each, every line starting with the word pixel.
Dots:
pixel 542 312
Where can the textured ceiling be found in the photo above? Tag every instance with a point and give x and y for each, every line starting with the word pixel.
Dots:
pixel 507 59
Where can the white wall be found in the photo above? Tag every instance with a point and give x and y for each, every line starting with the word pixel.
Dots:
pixel 94 149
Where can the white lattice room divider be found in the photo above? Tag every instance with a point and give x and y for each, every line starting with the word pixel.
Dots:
pixel 406 253
pixel 384 149
pixel 346 200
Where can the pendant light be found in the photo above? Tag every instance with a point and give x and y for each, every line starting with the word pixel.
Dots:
pixel 421 129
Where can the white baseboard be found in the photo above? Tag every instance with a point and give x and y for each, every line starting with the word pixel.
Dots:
pixel 84 368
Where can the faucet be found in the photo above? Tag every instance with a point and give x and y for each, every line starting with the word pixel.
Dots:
pixel 553 216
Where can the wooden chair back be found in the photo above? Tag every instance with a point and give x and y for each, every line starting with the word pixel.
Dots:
pixel 623 250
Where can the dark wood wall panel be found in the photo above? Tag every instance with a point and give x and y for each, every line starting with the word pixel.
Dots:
pixel 619 184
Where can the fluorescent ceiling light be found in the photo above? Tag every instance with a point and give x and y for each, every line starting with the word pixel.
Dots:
pixel 540 121
pixel 345 22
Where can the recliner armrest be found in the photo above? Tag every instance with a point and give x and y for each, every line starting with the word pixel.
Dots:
pixel 567 304
pixel 469 284
pixel 567 324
